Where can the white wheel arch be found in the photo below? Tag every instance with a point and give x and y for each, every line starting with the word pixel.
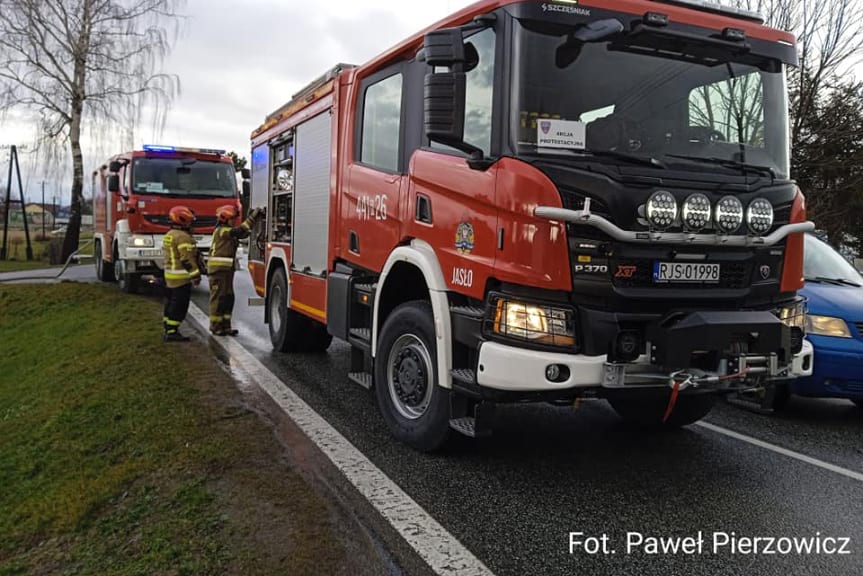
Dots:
pixel 421 255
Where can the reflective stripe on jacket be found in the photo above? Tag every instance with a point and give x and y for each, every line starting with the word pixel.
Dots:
pixel 223 250
pixel 181 258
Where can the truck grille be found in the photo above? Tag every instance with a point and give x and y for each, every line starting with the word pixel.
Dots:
pixel 859 328
pixel 163 220
pixel 734 275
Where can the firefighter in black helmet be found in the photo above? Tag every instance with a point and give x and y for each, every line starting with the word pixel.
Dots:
pixel 221 266
pixel 181 271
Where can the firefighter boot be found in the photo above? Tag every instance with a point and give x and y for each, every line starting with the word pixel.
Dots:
pixel 226 327
pixel 175 337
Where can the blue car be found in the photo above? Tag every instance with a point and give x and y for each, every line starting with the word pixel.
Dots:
pixel 834 324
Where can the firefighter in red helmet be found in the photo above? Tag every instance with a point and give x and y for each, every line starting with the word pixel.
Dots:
pixel 181 271
pixel 221 266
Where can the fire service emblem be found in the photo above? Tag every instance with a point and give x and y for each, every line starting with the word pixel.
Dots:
pixel 464 238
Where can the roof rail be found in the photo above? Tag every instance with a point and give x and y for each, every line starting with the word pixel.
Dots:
pixel 717 8
pixel 311 87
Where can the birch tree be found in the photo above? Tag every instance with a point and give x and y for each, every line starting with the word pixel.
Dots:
pixel 75 63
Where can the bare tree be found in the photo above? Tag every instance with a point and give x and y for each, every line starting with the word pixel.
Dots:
pixel 73 62
pixel 829 41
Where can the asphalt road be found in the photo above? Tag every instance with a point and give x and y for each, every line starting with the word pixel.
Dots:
pixel 513 499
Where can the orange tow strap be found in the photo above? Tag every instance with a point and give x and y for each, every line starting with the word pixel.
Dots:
pixel 675 392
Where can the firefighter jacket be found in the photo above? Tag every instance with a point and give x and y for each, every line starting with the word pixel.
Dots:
pixel 181 258
pixel 223 251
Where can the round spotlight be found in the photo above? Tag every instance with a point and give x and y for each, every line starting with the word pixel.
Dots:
pixel 661 210
pixel 759 216
pixel 729 215
pixel 696 212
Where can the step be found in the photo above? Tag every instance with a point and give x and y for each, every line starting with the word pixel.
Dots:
pixel 465 425
pixel 366 288
pixel 464 375
pixel 364 379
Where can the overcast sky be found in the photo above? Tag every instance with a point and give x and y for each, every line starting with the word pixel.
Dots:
pixel 239 61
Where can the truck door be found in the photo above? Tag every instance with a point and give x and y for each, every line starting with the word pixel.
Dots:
pixel 370 209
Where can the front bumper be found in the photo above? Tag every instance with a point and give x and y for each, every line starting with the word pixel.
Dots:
pixel 838 369
pixel 513 369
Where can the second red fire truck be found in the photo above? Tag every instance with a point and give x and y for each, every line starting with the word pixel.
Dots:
pixel 542 201
pixel 133 193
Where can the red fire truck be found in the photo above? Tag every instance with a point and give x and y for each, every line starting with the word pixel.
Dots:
pixel 133 194
pixel 542 201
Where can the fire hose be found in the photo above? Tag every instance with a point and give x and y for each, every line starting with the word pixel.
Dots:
pixel 60 273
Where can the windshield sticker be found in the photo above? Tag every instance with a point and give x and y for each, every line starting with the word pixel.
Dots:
pixel 153 186
pixel 560 134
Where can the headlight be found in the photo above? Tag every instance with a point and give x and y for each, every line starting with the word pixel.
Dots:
pixel 729 214
pixel 827 326
pixel 696 212
pixel 661 210
pixel 759 216
pixel 794 315
pixel 534 323
pixel 140 241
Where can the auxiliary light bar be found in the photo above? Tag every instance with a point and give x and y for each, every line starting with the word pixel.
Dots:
pixel 708 6
pixel 162 148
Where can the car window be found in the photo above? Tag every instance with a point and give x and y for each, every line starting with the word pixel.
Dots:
pixel 822 261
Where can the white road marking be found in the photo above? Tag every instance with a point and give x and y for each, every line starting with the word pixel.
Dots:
pixel 784 451
pixel 435 545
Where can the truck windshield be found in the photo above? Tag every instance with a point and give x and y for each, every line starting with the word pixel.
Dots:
pixel 183 177
pixel 689 113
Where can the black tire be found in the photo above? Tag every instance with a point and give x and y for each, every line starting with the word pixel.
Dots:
pixel 415 408
pixel 104 270
pixel 287 327
pixel 126 281
pixel 316 339
pixel 646 409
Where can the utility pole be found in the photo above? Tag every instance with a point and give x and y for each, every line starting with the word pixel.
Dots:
pixel 13 161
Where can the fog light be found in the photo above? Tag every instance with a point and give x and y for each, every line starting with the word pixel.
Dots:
pixel 759 216
pixel 661 210
pixel 729 214
pixel 557 373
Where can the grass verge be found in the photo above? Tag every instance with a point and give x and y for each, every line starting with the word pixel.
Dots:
pixel 122 455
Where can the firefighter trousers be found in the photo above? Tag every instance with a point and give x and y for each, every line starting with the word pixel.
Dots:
pixel 176 307
pixel 221 299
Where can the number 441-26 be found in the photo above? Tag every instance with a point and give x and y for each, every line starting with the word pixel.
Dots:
pixel 372 207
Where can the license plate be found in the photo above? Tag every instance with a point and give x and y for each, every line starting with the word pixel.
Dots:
pixel 696 273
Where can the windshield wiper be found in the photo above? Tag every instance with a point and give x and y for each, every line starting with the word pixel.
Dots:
pixel 631 158
pixel 734 164
pixel 837 281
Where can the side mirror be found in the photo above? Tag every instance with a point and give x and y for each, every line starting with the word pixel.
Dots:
pixel 444 99
pixel 444 92
pixel 245 173
pixel 114 167
pixel 113 183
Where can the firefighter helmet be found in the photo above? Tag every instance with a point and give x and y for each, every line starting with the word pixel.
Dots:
pixel 181 216
pixel 226 214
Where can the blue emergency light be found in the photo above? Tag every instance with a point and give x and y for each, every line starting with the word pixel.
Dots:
pixel 162 148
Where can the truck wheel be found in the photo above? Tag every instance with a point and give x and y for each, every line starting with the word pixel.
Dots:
pixel 104 270
pixel 413 405
pixel 286 326
pixel 127 282
pixel 316 339
pixel 647 410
